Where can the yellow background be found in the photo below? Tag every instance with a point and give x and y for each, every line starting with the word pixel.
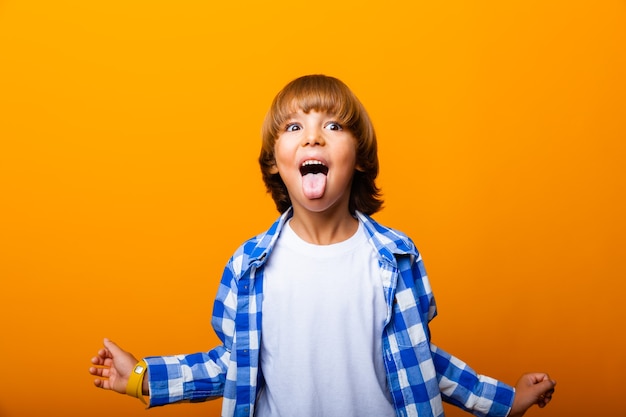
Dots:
pixel 129 132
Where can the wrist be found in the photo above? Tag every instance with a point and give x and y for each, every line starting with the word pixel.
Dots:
pixel 135 385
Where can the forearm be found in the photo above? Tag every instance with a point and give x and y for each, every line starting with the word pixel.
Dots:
pixel 195 377
pixel 460 385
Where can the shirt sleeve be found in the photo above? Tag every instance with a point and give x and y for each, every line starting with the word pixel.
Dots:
pixel 199 376
pixel 461 386
pixel 194 378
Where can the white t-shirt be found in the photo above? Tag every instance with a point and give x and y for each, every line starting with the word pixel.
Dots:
pixel 323 317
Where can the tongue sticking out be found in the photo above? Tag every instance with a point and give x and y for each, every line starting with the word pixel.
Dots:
pixel 313 185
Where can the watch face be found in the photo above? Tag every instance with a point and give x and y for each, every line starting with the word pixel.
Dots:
pixel 138 369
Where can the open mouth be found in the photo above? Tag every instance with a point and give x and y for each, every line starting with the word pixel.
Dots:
pixel 313 167
pixel 314 175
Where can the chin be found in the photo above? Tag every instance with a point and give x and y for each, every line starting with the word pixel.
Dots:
pixel 319 205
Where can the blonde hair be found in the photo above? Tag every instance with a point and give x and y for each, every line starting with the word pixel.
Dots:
pixel 322 93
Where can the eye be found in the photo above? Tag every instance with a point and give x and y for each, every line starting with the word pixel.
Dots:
pixel 292 127
pixel 333 126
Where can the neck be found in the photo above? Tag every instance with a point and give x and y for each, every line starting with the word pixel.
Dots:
pixel 324 228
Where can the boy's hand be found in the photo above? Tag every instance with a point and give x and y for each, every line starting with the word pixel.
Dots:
pixel 532 388
pixel 113 367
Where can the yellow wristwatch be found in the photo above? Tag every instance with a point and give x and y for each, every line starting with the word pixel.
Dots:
pixel 134 388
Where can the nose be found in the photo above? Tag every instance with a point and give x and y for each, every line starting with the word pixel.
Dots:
pixel 313 136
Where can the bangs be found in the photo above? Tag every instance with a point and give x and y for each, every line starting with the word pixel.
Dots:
pixel 324 95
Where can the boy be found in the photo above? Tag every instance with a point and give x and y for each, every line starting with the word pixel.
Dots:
pixel 326 313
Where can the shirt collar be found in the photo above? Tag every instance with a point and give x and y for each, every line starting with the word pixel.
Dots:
pixel 387 242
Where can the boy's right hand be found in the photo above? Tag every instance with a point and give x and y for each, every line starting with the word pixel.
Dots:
pixel 113 367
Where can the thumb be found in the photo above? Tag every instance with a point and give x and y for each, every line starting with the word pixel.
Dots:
pixel 122 358
pixel 113 349
pixel 543 385
pixel 538 382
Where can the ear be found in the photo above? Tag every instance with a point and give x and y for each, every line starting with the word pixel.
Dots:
pixel 273 169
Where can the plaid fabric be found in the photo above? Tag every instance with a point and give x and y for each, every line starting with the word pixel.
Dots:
pixel 419 374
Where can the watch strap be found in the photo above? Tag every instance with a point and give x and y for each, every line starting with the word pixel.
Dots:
pixel 134 388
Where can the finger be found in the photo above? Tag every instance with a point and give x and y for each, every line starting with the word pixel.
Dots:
pixel 545 398
pixel 543 402
pixel 103 372
pixel 102 361
pixel 102 383
pixel 105 353
pixel 101 357
pixel 98 360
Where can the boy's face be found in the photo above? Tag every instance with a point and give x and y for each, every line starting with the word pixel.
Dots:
pixel 316 158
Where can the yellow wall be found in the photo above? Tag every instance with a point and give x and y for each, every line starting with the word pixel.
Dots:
pixel 129 132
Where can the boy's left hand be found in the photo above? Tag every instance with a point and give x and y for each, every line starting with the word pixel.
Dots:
pixel 532 388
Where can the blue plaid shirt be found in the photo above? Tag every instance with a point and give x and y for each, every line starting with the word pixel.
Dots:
pixel 420 375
